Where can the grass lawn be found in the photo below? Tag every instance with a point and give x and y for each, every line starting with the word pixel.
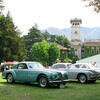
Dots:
pixel 72 91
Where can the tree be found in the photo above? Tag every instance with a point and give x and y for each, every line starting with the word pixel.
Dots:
pixel 11 45
pixel 34 35
pixel 54 53
pixel 95 4
pixel 62 40
pixel 53 38
pixel 45 53
pixel 40 52
pixel 1 6
pixel 47 36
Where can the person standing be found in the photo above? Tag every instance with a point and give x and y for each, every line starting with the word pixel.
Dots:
pixel 94 64
pixel 2 68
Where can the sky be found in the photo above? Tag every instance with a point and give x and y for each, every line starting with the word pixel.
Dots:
pixel 50 13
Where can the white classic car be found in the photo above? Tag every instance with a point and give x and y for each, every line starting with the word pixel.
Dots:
pixel 74 72
pixel 88 66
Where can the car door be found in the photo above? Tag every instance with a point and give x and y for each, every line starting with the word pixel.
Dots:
pixel 33 72
pixel 21 72
pixel 73 71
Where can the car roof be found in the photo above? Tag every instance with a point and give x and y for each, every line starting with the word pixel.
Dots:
pixel 62 63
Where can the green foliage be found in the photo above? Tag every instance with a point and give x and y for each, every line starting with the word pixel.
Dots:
pixel 47 36
pixel 67 60
pixel 12 46
pixel 45 53
pixel 62 40
pixel 63 55
pixel 34 36
pixel 40 52
pixel 72 56
pixel 88 51
pixel 54 53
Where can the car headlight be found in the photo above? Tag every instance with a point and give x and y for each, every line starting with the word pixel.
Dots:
pixel 52 76
pixel 65 75
pixel 98 74
pixel 92 74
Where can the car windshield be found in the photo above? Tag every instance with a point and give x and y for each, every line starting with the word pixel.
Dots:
pixel 85 66
pixel 90 66
pixel 35 65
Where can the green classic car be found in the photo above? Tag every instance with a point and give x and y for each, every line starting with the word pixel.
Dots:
pixel 35 72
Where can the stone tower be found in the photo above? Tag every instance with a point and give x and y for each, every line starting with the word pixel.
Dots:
pixel 76 36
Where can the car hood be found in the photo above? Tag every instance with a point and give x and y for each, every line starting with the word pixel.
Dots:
pixel 50 70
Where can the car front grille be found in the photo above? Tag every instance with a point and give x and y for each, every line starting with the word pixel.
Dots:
pixel 62 76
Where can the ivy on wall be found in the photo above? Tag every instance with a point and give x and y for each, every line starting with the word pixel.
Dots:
pixel 91 50
pixel 63 55
pixel 72 55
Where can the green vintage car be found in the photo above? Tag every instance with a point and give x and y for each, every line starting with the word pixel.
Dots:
pixel 35 72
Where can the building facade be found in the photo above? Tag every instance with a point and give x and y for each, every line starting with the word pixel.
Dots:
pixel 82 49
pixel 91 48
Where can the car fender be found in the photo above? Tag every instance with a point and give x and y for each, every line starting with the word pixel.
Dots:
pixel 47 74
pixel 87 73
pixel 41 75
pixel 82 73
pixel 11 72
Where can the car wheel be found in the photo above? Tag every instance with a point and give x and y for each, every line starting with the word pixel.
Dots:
pixel 10 78
pixel 43 81
pixel 82 78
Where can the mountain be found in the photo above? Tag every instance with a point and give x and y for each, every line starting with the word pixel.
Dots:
pixel 86 32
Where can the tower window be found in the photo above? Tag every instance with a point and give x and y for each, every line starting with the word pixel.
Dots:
pixel 76 32
pixel 75 23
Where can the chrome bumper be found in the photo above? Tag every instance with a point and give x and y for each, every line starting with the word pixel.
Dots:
pixel 59 81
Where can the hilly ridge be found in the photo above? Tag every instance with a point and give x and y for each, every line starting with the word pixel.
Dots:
pixel 86 32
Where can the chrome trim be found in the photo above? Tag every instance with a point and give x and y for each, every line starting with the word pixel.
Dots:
pixel 58 81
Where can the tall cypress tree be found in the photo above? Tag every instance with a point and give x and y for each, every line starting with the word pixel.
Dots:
pixel 11 45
